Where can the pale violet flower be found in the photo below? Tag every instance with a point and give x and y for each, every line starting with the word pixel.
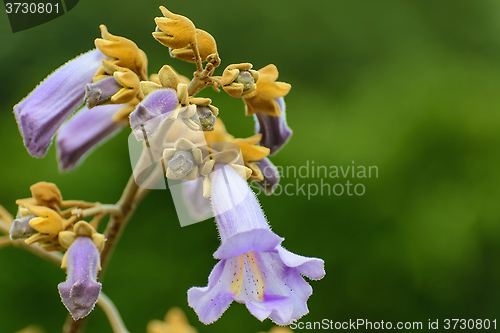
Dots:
pixel 85 131
pixel 275 131
pixel 254 268
pixel 55 99
pixel 80 291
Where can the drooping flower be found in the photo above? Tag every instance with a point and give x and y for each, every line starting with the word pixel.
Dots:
pixel 254 268
pixel 107 75
pixel 85 131
pixel 80 291
pixel 40 114
pixel 268 106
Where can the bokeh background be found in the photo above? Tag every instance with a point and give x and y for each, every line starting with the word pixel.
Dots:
pixel 411 87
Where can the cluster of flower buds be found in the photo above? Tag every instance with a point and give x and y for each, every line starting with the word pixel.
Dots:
pixel 40 219
pixel 184 131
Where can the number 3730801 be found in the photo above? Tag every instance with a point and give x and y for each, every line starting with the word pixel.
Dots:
pixel 470 324
pixel 31 8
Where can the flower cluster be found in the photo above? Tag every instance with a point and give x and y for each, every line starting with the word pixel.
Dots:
pixel 41 219
pixel 109 88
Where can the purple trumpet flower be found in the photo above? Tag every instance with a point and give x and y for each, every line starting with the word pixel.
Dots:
pixel 254 268
pixel 275 130
pixel 149 113
pixel 85 131
pixel 40 114
pixel 81 290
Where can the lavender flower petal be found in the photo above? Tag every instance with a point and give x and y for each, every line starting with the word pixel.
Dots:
pixel 81 290
pixel 40 114
pixel 101 91
pixel 260 280
pixel 83 132
pixel 151 111
pixel 313 268
pixel 255 269
pixel 271 176
pixel 211 301
pixel 275 131
pixel 192 191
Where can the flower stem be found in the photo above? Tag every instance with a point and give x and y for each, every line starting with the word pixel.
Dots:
pixel 54 257
pixel 202 78
pixel 5 220
pixel 4 241
pixel 4 227
pixel 112 313
pixel 97 209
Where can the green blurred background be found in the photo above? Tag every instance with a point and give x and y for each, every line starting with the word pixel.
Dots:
pixel 409 86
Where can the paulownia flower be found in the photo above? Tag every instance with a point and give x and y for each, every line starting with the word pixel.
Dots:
pixel 80 291
pixel 268 106
pixel 40 114
pixel 254 268
pixel 84 132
